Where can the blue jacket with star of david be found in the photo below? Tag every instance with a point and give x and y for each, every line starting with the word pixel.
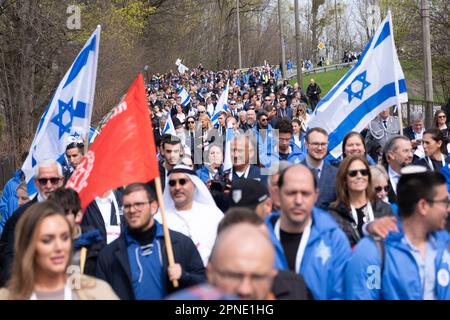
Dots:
pixel 397 277
pixel 326 254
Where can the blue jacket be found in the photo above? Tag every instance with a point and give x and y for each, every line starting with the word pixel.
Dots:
pixel 325 257
pixel 203 173
pixel 296 156
pixel 400 279
pixel 8 202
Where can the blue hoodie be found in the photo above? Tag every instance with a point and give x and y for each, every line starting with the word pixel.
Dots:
pixel 325 257
pixel 400 278
pixel 9 201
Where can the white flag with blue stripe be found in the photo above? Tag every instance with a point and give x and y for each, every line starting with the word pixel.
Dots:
pixel 227 163
pixel 184 95
pixel 169 128
pixel 68 112
pixel 222 105
pixel 375 83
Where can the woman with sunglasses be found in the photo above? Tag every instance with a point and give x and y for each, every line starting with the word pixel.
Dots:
pixel 303 116
pixel 440 122
pixel 43 248
pixel 356 204
pixel 435 147
pixel 380 182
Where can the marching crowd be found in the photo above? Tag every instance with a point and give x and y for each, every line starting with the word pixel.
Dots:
pixel 256 206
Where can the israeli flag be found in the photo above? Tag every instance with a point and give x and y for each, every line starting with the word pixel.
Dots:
pixel 169 128
pixel 184 95
pixel 375 83
pixel 222 105
pixel 68 112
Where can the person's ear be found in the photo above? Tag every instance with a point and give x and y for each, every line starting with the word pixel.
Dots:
pixel 154 207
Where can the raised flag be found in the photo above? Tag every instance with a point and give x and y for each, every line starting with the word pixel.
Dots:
pixel 169 128
pixel 376 82
pixel 222 105
pixel 184 95
pixel 116 159
pixel 68 112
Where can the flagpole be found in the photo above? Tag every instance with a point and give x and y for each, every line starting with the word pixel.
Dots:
pixel 397 90
pixel 167 241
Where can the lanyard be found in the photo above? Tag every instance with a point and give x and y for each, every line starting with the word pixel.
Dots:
pixel 369 209
pixel 430 163
pixel 303 242
pixel 67 293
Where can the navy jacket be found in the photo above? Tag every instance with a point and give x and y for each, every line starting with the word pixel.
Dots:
pixel 327 186
pixel 113 265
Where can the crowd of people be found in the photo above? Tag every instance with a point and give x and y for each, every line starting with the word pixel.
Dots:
pixel 255 205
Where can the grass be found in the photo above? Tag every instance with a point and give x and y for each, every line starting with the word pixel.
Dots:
pixel 413 74
pixel 326 80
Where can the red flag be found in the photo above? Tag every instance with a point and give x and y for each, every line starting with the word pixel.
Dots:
pixel 123 153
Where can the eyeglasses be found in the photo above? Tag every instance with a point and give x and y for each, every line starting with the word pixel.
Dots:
pixel 386 188
pixel 53 181
pixel 353 173
pixel 446 201
pixel 136 205
pixel 173 182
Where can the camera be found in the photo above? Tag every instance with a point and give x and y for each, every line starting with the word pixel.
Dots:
pixel 220 183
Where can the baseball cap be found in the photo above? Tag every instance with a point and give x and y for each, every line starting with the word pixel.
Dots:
pixel 248 193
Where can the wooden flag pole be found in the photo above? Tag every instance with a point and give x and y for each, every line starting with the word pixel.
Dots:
pixel 165 228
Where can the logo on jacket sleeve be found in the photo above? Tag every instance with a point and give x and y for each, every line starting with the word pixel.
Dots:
pixel 323 252
pixel 443 277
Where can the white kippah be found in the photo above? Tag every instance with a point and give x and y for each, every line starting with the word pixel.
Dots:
pixel 413 170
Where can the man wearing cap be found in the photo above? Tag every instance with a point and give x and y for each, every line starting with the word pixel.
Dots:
pixel 307 239
pixel 190 209
pixel 413 263
pixel 251 194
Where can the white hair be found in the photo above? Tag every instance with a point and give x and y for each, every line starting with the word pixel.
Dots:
pixel 48 163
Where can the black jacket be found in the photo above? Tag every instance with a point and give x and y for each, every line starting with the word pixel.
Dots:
pixel 93 217
pixel 114 268
pixel 7 242
pixel 344 218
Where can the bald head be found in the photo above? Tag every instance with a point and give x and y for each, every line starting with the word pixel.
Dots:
pixel 242 262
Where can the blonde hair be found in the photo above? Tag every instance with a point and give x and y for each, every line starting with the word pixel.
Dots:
pixel 21 284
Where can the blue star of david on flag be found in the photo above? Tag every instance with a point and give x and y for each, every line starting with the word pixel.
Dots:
pixel 68 112
pixel 364 85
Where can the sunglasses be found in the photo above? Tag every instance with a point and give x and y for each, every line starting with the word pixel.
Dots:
pixel 385 188
pixel 442 117
pixel 190 122
pixel 264 120
pixel 353 173
pixel 282 100
pixel 44 181
pixel 201 112
pixel 173 183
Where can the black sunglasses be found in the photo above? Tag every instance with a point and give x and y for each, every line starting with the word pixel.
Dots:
pixel 264 120
pixel 190 122
pixel 385 188
pixel 173 183
pixel 353 173
pixel 44 181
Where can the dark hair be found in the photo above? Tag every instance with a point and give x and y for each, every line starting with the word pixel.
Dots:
pixel 68 199
pixel 413 187
pixel 260 114
pixel 436 118
pixel 284 126
pixel 350 135
pixel 139 186
pixel 74 145
pixel 186 121
pixel 282 174
pixel 238 215
pixel 170 139
pixel 437 136
pixel 391 145
pixel 315 129
pixel 342 191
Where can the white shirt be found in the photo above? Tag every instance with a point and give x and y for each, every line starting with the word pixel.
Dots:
pixel 393 178
pixel 200 224
pixel 104 204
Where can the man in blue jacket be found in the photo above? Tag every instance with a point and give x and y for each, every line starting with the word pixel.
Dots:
pixel 286 149
pixel 136 264
pixel 414 263
pixel 307 240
